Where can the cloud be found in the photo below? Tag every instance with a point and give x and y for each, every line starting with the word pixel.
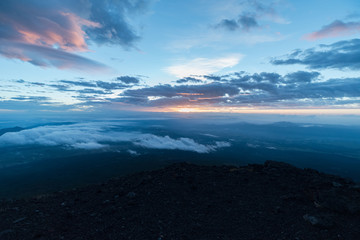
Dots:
pixel 112 17
pixel 188 80
pixel 189 92
pixel 47 57
pixel 61 87
pixel 87 145
pixel 339 55
pixel 302 76
pixel 31 98
pixel 45 33
pixel 247 22
pixel 133 153
pixel 108 86
pixel 203 66
pixel 248 19
pixel 100 135
pixel 241 89
pixel 43 25
pixel 92 91
pixel 79 83
pixel 128 80
pixel 33 104
pixel 335 29
pixel 244 23
pixel 186 144
pixel 307 89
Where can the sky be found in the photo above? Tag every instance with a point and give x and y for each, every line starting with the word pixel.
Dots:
pixel 229 56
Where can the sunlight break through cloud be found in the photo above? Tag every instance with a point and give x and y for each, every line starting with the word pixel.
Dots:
pixel 98 135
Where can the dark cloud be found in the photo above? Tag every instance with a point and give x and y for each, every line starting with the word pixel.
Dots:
pixel 212 77
pixel 249 19
pixel 239 89
pixel 37 84
pixel 343 55
pixel 242 89
pixel 302 76
pixel 128 80
pixel 44 32
pixel 48 57
pixel 247 22
pixel 61 87
pixel 111 15
pixel 265 77
pixel 228 24
pixel 244 23
pixel 188 80
pixel 96 84
pixel 191 91
pixel 110 85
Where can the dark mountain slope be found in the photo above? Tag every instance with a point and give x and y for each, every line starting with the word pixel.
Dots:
pixel 185 201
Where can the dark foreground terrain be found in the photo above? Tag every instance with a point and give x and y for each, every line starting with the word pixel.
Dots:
pixel 185 201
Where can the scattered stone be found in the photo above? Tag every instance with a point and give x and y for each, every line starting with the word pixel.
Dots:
pixel 321 222
pixel 356 187
pixel 292 197
pixel 339 202
pixel 318 205
pixel 19 220
pixel 277 209
pixel 131 195
pixel 5 232
pixel 222 207
pixel 336 184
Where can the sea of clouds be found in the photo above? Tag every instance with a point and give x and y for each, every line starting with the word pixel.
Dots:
pixel 99 135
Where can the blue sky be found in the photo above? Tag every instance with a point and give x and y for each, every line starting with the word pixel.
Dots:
pixel 296 57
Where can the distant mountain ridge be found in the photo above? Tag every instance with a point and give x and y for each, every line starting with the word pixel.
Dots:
pixel 13 129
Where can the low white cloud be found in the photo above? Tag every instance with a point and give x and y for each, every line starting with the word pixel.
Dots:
pixel 133 152
pixel 203 66
pixel 100 135
pixel 187 144
pixel 88 145
pixel 221 145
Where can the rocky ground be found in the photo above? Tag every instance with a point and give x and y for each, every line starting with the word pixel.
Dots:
pixel 185 201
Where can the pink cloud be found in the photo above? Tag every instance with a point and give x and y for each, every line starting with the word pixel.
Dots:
pixel 63 30
pixel 334 29
pixel 47 33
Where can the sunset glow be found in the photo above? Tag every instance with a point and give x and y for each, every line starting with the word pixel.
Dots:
pixel 244 57
pixel 298 111
pixel 97 89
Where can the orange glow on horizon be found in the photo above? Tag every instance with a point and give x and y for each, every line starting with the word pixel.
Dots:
pixel 249 110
